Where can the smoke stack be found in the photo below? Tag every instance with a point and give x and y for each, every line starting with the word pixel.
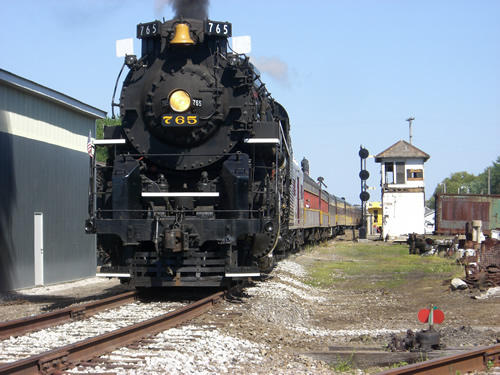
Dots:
pixel 190 8
pixel 305 166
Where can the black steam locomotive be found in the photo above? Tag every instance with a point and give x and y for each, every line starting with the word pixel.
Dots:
pixel 196 186
pixel 200 187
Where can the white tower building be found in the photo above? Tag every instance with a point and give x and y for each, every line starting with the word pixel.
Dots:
pixel 403 194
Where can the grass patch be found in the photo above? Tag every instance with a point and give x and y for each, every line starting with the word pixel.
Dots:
pixel 343 365
pixel 374 265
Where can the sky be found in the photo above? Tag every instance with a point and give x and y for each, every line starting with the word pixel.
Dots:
pixel 348 72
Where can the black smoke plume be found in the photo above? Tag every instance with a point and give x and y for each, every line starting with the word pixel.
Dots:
pixel 190 8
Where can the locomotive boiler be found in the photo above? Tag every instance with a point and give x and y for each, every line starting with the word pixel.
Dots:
pixel 196 186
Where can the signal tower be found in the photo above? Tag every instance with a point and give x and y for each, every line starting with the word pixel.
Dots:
pixel 364 195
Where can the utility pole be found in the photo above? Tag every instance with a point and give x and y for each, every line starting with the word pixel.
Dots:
pixel 443 184
pixel 410 119
pixel 489 180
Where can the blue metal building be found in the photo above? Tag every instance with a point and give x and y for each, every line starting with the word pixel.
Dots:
pixel 44 174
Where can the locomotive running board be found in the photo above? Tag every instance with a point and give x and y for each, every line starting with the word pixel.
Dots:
pixel 243 274
pixel 112 275
pixel 104 142
pixel 127 275
pixel 181 194
pixel 262 140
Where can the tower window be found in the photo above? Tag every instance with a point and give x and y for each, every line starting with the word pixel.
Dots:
pixel 400 172
pixel 414 174
pixel 389 173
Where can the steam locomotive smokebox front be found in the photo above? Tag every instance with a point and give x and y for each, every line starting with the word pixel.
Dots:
pixel 190 194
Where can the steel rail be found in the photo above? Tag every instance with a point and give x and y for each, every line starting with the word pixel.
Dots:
pixel 60 359
pixel 21 326
pixel 474 360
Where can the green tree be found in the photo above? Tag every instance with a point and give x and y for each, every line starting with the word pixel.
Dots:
pixel 466 183
pixel 482 180
pixel 101 123
pixel 458 182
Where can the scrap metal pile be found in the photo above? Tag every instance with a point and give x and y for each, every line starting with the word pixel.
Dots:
pixel 419 244
pixel 482 270
pixel 479 256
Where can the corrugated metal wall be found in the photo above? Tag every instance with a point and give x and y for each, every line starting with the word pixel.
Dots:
pixel 44 169
pixel 455 210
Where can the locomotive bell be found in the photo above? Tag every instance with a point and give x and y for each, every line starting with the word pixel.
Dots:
pixel 182 35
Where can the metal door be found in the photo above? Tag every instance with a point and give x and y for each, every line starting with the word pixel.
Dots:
pixel 38 248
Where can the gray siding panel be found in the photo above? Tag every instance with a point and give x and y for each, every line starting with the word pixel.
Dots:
pixel 46 182
pixel 38 176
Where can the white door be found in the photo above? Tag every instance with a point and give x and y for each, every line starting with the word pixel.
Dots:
pixel 38 248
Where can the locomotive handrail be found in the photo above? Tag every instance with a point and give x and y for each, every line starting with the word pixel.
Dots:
pixel 180 154
pixel 284 140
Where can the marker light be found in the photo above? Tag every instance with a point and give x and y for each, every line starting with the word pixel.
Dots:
pixel 89 226
pixel 269 227
pixel 180 101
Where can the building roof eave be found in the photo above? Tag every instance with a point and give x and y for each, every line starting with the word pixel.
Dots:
pixel 49 94
pixel 404 150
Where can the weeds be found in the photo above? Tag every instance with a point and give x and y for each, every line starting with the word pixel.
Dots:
pixel 343 366
pixel 489 365
pixel 399 364
pixel 374 266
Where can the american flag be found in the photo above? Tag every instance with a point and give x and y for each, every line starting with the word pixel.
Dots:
pixel 90 148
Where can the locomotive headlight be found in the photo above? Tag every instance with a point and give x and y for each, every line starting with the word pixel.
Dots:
pixel 180 101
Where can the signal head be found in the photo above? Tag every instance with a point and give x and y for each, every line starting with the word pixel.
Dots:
pixel 363 153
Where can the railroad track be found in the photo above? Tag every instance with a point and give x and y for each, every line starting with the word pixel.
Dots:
pixel 438 362
pixel 71 355
pixel 24 325
pixel 474 360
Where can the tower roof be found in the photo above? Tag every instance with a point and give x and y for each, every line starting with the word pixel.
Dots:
pixel 402 149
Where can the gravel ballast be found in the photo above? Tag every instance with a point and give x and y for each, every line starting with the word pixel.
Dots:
pixel 275 322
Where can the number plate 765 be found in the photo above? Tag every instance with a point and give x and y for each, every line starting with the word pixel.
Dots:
pixel 180 120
